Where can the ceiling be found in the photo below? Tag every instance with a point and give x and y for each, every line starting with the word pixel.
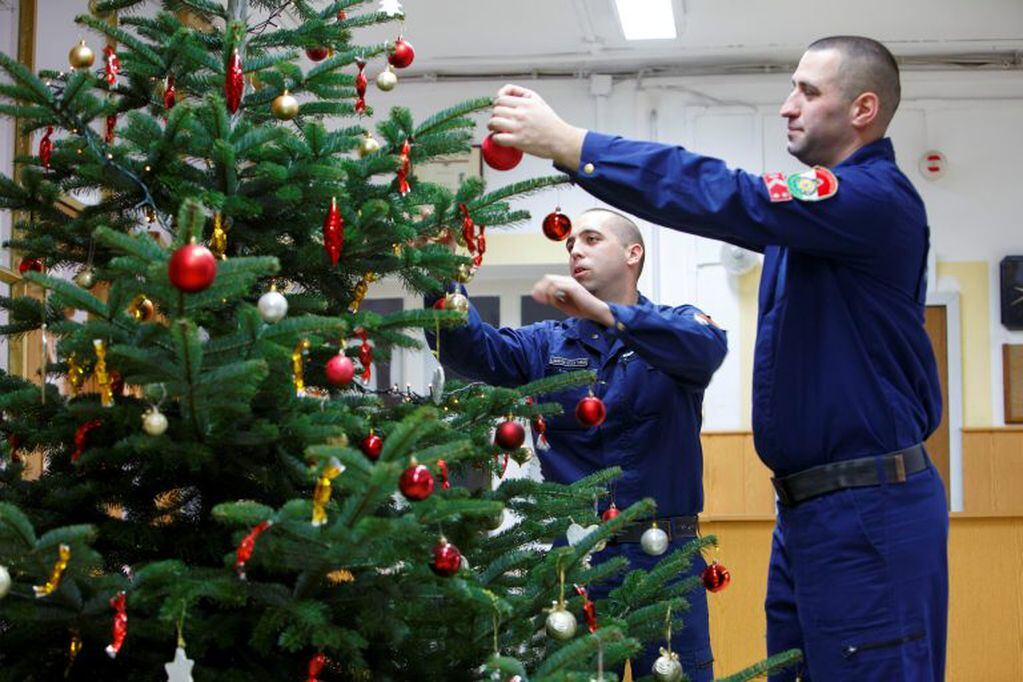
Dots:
pixel 486 37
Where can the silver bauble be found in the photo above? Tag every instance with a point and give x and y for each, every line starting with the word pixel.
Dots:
pixel 5 582
pixel 273 306
pixel 561 624
pixel 86 278
pixel 667 668
pixel 154 422
pixel 654 541
pixel 387 80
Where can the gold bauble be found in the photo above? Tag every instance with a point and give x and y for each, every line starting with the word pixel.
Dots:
pixel 387 80
pixel 456 302
pixel 522 455
pixel 141 308
pixel 465 273
pixel 81 56
pixel 284 107
pixel 368 145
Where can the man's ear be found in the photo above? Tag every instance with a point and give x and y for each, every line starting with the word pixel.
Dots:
pixel 634 254
pixel 864 110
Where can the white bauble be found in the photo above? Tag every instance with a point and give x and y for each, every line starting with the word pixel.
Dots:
pixel 667 668
pixel 654 541
pixel 154 422
pixel 5 581
pixel 561 624
pixel 272 306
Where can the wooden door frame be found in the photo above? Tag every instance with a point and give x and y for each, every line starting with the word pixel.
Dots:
pixel 953 340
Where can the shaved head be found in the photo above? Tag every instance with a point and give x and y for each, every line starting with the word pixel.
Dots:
pixel 622 227
pixel 866 66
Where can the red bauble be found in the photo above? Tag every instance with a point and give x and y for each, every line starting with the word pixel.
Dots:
pixel 557 226
pixel 371 446
pixel 610 513
pixel 590 411
pixel 234 83
pixel 402 55
pixel 439 303
pixel 498 157
pixel 416 483
pixel 715 577
pixel 510 435
pixel 340 370
pixel 446 559
pixel 33 264
pixel 318 53
pixel 192 268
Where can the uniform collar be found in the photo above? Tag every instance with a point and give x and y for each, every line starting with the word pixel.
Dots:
pixel 583 331
pixel 878 149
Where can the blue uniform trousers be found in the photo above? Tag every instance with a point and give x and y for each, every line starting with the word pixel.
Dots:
pixel 859 581
pixel 692 642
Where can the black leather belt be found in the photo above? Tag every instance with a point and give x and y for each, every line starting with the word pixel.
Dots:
pixel 674 526
pixel 851 473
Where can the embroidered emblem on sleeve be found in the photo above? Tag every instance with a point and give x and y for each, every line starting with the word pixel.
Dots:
pixel 816 184
pixel 777 187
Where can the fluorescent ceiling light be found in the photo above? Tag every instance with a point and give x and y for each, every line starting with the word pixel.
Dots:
pixel 646 19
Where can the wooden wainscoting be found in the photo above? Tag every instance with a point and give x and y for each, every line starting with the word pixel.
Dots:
pixel 985 636
pixel 993 471
pixel 735 481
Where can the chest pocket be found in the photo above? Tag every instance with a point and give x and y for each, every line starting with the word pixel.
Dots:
pixel 649 391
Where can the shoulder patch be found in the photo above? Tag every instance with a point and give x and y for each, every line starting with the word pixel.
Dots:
pixel 816 184
pixel 777 187
pixel 705 320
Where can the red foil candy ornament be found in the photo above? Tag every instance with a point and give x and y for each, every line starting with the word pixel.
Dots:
pixel 340 370
pixel 120 630
pixel 46 148
pixel 402 54
pixel 371 446
pixel 715 577
pixel 444 482
pixel 360 87
pixel 509 435
pixel 557 226
pixel 498 157
pixel 234 83
pixel 108 135
pixel 416 482
pixel 82 437
pixel 192 268
pixel 404 169
pixel 334 232
pixel 33 264
pixel 316 664
pixel 468 228
pixel 247 546
pixel 498 463
pixel 446 559
pixel 169 94
pixel 365 355
pixel 590 411
pixel 589 608
pixel 342 15
pixel 481 248
pixel 113 65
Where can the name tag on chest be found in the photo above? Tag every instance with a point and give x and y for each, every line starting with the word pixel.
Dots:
pixel 573 363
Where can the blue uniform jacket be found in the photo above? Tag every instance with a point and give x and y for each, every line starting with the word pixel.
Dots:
pixel 843 367
pixel 652 367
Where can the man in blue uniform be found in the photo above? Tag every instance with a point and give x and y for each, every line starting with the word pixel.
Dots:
pixel 845 387
pixel 652 363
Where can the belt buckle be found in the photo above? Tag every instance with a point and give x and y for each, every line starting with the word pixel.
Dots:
pixel 900 468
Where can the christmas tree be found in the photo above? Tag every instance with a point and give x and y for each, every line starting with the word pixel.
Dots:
pixel 218 480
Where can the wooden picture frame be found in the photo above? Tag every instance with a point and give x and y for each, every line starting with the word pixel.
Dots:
pixel 1012 382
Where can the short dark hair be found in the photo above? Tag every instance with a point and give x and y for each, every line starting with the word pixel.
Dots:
pixel 867 66
pixel 624 228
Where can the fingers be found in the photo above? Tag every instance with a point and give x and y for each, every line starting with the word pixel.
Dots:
pixel 515 91
pixel 497 124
